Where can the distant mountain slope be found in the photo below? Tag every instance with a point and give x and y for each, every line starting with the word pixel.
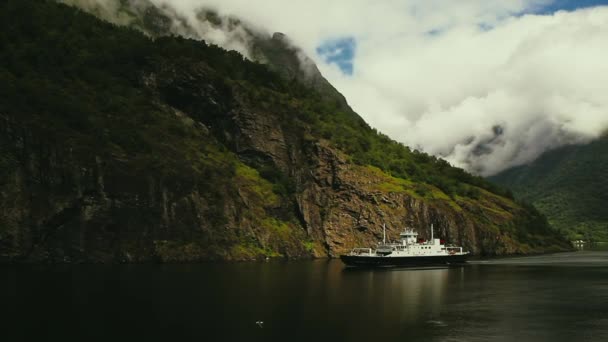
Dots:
pixel 118 147
pixel 569 185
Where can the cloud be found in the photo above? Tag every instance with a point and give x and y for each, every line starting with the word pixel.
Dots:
pixel 540 78
pixel 485 84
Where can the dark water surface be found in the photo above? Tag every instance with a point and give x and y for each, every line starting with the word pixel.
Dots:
pixel 562 297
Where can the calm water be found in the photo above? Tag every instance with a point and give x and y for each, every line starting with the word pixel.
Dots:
pixel 561 297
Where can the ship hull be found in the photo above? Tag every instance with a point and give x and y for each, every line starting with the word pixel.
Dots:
pixel 406 261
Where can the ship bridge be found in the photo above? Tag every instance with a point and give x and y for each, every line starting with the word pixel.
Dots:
pixel 409 236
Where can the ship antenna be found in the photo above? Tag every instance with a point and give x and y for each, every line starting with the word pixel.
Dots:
pixel 432 241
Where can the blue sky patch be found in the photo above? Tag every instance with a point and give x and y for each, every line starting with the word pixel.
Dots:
pixel 340 52
pixel 569 5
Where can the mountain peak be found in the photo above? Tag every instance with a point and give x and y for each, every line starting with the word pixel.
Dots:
pixel 279 36
pixel 277 51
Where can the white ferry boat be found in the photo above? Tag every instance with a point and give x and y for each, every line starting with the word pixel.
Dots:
pixel 409 251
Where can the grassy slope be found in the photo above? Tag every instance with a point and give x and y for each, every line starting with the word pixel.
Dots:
pixel 569 185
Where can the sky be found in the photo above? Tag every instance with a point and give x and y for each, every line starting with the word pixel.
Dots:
pixel 568 5
pixel 484 84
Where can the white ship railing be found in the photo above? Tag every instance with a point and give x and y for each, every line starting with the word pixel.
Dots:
pixel 361 251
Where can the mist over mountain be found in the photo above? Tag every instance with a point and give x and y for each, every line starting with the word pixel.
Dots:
pixel 157 19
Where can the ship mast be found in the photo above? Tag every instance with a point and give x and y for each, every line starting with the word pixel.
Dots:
pixel 432 240
pixel 384 233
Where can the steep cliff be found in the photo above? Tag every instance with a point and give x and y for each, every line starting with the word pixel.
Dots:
pixel 117 147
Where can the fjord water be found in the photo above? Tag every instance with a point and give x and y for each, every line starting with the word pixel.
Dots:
pixel 561 297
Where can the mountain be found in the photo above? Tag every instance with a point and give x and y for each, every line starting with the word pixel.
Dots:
pixel 116 146
pixel 569 185
pixel 273 50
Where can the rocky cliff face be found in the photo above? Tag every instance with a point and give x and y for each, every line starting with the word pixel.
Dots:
pixel 187 152
pixel 60 207
pixel 345 205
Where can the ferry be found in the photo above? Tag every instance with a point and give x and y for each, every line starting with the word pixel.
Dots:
pixel 408 252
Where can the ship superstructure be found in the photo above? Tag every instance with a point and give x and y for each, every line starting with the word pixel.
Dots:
pixel 408 251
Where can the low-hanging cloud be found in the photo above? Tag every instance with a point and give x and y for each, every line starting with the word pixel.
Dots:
pixel 480 83
pixel 489 99
pixel 196 22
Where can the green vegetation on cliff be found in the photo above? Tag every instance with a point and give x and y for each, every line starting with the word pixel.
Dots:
pixel 71 98
pixel 569 185
pixel 115 146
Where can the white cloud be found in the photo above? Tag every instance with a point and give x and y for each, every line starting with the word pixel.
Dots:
pixel 541 78
pixel 539 81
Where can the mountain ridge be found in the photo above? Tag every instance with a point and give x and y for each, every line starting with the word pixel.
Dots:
pixel 569 186
pixel 273 50
pixel 120 148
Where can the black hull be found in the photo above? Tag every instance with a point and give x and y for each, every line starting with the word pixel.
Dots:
pixel 378 261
